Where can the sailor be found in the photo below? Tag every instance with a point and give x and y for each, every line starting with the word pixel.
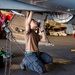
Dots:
pixel 34 59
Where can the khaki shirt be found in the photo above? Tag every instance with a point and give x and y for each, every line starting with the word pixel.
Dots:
pixel 32 39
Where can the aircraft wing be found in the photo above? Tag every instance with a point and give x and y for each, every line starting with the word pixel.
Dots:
pixel 61 10
pixel 19 5
pixel 54 5
pixel 39 5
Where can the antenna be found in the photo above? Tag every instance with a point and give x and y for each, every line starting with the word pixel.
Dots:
pixel 17 13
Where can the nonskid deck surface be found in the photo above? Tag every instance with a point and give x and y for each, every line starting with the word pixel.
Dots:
pixel 63 58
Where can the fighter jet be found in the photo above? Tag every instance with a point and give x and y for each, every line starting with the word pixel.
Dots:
pixel 62 11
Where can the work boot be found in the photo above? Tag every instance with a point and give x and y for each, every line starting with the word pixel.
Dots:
pixel 23 67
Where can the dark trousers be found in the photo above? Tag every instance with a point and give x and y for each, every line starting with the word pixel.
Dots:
pixel 1 61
